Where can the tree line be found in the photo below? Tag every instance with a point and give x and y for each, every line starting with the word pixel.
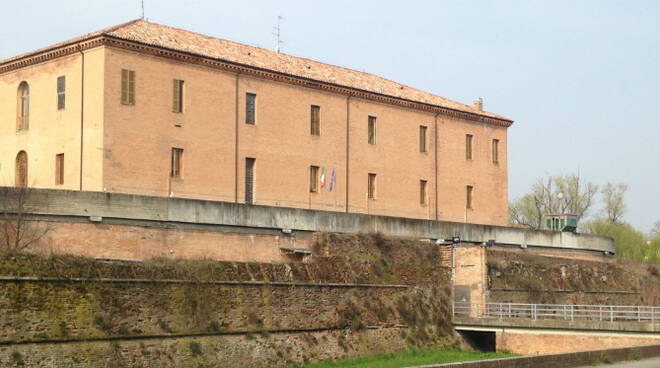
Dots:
pixel 572 194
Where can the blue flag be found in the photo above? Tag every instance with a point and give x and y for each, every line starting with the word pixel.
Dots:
pixel 332 179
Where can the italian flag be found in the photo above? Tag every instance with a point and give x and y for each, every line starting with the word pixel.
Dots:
pixel 323 177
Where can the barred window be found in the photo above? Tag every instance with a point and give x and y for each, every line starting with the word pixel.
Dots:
pixel 313 178
pixel 468 146
pixel 250 105
pixel 469 190
pixel 422 192
pixel 372 129
pixel 315 120
pixel 496 153
pixel 422 138
pixel 177 163
pixel 177 95
pixel 371 186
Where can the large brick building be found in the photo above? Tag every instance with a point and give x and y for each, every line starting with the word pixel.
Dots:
pixel 148 109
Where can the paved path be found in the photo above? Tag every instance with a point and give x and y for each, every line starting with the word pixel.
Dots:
pixel 646 363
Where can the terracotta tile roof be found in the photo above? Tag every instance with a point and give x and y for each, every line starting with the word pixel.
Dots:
pixel 181 40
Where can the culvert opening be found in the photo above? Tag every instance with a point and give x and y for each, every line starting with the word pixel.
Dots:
pixel 480 340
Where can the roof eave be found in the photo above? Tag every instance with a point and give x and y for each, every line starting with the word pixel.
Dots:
pixel 95 40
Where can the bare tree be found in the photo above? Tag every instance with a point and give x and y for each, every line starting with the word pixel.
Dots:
pixel 526 211
pixel 553 195
pixel 17 231
pixel 655 230
pixel 613 198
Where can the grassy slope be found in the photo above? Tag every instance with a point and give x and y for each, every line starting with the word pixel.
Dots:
pixel 410 358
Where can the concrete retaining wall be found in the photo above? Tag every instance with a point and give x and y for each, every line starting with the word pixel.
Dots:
pixel 161 209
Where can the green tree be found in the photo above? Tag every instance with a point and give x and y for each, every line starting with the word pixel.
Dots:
pixel 615 206
pixel 630 243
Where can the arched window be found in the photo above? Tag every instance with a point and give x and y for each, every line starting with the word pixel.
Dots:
pixel 21 169
pixel 23 106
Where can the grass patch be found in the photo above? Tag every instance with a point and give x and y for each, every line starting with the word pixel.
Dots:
pixel 410 358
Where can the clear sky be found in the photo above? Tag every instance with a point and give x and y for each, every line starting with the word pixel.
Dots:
pixel 581 79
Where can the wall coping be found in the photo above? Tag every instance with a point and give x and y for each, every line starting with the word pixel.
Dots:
pixel 193 211
pixel 558 324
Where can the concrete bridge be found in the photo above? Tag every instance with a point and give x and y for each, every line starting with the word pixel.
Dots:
pixel 554 328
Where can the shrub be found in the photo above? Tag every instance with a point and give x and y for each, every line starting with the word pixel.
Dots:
pixel 195 348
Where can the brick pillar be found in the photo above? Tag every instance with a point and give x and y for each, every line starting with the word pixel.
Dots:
pixel 470 275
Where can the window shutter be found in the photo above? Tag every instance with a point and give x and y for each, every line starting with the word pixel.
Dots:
pixel 175 96
pixel 124 86
pixel 59 169
pixel 61 88
pixel 131 87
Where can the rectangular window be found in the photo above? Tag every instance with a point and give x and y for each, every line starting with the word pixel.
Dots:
pixel 250 102
pixel 422 138
pixel 468 202
pixel 371 186
pixel 316 120
pixel 177 95
pixel 372 130
pixel 496 153
pixel 177 163
pixel 313 178
pixel 59 169
pixel 422 192
pixel 61 92
pixel 468 146
pixel 127 87
pixel 249 180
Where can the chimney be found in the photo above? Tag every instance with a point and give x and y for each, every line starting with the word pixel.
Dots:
pixel 479 104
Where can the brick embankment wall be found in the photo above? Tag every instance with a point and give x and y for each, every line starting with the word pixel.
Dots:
pixel 76 312
pixel 525 277
pixel 92 314
pixel 255 350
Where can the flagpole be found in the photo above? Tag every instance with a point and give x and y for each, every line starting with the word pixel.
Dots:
pixel 428 203
pixel 335 199
pixel 323 186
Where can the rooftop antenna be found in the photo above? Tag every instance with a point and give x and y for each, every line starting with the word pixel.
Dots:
pixel 142 9
pixel 277 33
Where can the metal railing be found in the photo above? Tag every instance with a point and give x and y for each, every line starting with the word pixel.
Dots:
pixel 569 312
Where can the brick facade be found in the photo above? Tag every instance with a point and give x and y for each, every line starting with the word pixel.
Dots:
pixel 127 148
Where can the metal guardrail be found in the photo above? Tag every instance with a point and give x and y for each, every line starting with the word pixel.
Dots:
pixel 568 312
